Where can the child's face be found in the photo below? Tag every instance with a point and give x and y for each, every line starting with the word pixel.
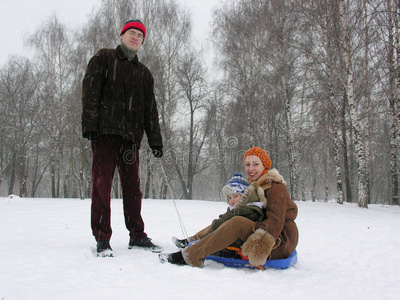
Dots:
pixel 234 198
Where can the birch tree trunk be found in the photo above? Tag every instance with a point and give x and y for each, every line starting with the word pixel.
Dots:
pixel 393 82
pixel 397 61
pixel 347 177
pixel 292 151
pixel 339 183
pixel 326 175
pixel 336 145
pixel 335 116
pixel 367 104
pixel 349 89
pixel 285 71
pixel 397 76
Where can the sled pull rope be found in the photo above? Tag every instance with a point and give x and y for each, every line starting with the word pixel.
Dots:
pixel 185 235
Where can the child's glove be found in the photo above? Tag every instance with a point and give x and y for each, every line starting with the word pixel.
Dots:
pixel 258 247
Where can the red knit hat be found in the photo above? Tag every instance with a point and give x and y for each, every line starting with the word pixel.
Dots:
pixel 262 155
pixel 135 24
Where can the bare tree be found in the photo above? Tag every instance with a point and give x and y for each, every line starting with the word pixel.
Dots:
pixel 320 48
pixel 170 29
pixel 349 89
pixel 52 51
pixel 192 83
pixel 393 82
pixel 314 82
pixel 255 40
pixel 21 125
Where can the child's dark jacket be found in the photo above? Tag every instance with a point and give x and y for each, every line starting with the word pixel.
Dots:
pixel 254 193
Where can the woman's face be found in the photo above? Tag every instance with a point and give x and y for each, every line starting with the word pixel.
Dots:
pixel 253 166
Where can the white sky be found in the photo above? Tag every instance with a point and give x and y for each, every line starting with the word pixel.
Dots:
pixel 23 17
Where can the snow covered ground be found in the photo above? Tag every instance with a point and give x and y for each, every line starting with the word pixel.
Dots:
pixel 47 252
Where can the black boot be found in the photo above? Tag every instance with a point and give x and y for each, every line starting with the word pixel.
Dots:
pixel 104 249
pixel 180 243
pixel 173 258
pixel 146 244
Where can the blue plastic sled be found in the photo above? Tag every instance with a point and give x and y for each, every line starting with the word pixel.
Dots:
pixel 271 264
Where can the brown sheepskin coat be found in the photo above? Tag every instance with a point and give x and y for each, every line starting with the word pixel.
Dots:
pixel 281 213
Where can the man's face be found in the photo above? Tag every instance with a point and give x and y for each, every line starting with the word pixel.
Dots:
pixel 132 39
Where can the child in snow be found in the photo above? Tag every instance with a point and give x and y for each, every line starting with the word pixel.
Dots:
pixel 244 200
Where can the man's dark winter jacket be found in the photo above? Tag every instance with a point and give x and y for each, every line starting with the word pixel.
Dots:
pixel 118 99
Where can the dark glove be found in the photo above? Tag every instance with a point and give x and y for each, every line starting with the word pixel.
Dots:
pixel 157 151
pixel 91 135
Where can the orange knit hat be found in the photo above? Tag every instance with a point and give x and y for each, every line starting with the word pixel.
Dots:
pixel 262 155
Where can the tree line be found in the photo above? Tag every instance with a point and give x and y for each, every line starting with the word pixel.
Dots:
pixel 315 83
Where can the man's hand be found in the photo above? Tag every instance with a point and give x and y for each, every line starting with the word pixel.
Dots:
pixel 157 151
pixel 91 136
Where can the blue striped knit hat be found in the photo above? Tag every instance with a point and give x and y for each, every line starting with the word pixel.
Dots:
pixel 236 185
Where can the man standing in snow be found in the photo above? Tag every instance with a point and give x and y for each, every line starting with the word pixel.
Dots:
pixel 118 107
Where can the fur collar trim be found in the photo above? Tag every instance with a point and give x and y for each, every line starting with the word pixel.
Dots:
pixel 271 176
pixel 253 193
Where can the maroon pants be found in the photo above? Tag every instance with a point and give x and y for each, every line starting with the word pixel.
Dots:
pixel 109 152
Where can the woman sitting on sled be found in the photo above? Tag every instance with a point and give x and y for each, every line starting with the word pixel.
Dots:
pixel 275 237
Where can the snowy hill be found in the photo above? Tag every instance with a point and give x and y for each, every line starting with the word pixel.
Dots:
pixel 47 252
